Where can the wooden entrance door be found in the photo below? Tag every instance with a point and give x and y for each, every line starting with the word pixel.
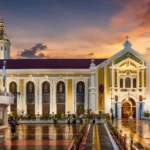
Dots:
pixel 125 108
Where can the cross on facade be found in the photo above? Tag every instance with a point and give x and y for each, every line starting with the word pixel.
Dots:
pixel 126 37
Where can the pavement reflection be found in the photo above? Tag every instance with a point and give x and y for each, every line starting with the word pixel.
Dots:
pixel 139 130
pixel 37 137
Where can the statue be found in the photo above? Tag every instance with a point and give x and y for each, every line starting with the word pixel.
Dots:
pixel 60 88
pixel 80 88
pixel 30 88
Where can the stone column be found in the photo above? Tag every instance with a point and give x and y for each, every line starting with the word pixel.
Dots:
pixel 36 84
pixel 118 85
pixel 92 91
pixel 51 97
pixel 142 109
pixel 119 110
pixel 142 78
pixel 40 98
pixel 86 95
pixel 73 96
pixel 112 78
pixel 66 96
pixel 137 79
pixel 24 103
pixel 147 101
pixel 54 104
pixel 19 105
pixel 137 110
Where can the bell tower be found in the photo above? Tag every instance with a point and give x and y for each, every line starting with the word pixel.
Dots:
pixel 4 42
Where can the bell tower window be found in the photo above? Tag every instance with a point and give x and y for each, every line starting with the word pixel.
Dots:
pixel 134 83
pixel 121 83
pixel 128 83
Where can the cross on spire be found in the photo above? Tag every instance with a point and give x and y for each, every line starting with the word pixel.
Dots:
pixel 126 37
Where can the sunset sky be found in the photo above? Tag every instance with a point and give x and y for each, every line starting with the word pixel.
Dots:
pixel 75 28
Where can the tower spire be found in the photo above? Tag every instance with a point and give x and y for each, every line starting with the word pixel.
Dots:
pixel 1 25
pixel 4 42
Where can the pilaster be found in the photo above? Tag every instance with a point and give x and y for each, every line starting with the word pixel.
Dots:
pixel 105 90
pixel 36 102
pixel 86 96
pixel 73 96
pixel 137 110
pixel 92 92
pixel 40 108
pixel 142 78
pixel 119 110
pixel 66 96
pixel 54 96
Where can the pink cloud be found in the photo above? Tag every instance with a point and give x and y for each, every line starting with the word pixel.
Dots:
pixel 132 20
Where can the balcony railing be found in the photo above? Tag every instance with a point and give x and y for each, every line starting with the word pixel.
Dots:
pixel 6 98
pixel 139 89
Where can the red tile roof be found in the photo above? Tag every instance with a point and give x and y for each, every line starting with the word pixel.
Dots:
pixel 49 63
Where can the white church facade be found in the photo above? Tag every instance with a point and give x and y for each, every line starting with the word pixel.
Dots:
pixel 117 84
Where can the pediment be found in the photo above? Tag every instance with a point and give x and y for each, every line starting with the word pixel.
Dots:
pixel 124 54
pixel 128 64
pixel 127 55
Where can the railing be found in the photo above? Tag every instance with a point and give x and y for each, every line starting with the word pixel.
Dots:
pixel 118 89
pixel 6 98
pixel 3 93
pixel 120 139
pixel 78 138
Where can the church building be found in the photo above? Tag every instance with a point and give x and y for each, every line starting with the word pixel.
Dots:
pixel 115 85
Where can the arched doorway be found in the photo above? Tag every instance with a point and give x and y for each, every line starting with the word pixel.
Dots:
pixel 128 106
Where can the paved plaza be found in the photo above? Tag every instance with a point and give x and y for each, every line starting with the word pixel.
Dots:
pixel 138 129
pixel 60 136
pixel 39 137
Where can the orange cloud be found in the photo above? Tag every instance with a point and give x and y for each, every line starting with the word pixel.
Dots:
pixel 132 20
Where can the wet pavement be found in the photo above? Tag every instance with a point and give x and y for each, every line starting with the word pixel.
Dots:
pixel 139 130
pixel 39 137
pixel 98 138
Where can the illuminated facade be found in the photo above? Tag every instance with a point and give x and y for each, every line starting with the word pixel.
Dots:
pixel 117 84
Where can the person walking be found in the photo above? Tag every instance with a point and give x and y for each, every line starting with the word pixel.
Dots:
pixel 13 124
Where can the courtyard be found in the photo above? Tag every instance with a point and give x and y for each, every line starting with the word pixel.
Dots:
pixel 39 137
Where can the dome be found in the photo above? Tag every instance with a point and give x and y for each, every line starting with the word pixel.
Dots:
pixel 3 36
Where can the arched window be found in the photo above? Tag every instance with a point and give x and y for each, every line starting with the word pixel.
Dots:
pixel 134 83
pixel 60 96
pixel 121 83
pixel 140 98
pixel 80 97
pixel 128 83
pixel 13 90
pixel 46 97
pixel 116 98
pixel 30 97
